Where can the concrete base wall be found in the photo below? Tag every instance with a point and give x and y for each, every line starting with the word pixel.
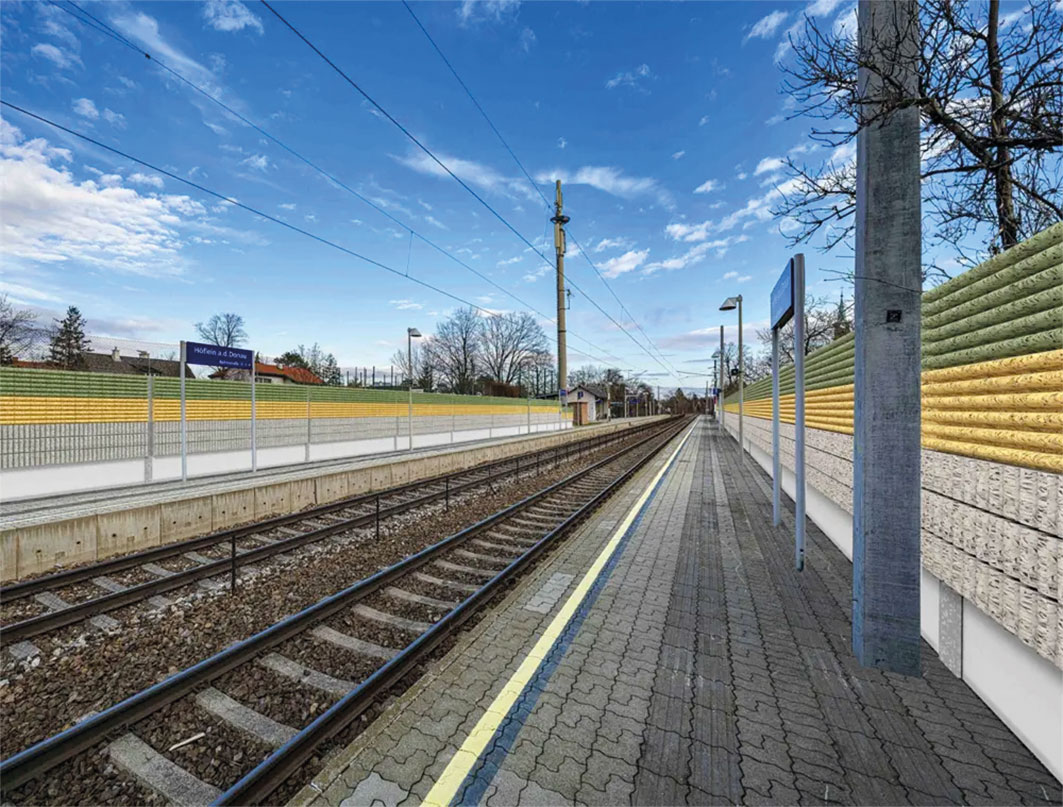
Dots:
pixel 28 550
pixel 1022 687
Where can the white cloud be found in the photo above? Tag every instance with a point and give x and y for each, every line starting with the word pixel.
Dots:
pixel 230 15
pixel 59 57
pixel 695 254
pixel 26 294
pixel 436 222
pixel 629 78
pixel 287 205
pixel 741 175
pixel 767 165
pixel 144 29
pixel 406 305
pixel 561 142
pixel 609 180
pixel 612 243
pixel 151 180
pixel 845 25
pixel 473 11
pixel 260 162
pixel 526 39
pixel 730 275
pixel 628 262
pixel 678 155
pixel 474 173
pixel 116 119
pixel 86 108
pixel 765 27
pixel 704 120
pixel 708 186
pixel 820 7
pixel 49 217
pixel 510 261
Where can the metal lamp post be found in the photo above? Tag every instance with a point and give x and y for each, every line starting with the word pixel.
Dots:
pixel 730 304
pixel 411 334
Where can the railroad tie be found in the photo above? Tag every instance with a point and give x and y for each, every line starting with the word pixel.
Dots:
pixel 244 718
pixel 308 676
pixel 462 588
pixel 457 567
pixel 196 557
pixel 113 586
pixel 411 625
pixel 408 596
pixel 353 643
pixel 157 773
pixel 482 558
pixel 53 602
pixel 488 545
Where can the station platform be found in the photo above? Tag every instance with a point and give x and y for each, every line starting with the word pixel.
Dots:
pixel 668 653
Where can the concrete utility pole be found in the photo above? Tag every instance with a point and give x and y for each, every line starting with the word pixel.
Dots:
pixel 560 221
pixel 886 456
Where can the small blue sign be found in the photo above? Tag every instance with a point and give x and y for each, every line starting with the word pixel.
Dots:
pixel 782 297
pixel 218 356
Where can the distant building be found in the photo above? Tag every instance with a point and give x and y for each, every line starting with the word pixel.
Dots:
pixel 116 363
pixel 271 374
pixel 588 404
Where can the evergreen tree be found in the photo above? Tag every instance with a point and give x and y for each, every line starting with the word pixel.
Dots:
pixel 69 344
pixel 842 325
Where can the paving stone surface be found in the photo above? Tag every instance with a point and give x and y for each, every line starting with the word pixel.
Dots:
pixel 704 670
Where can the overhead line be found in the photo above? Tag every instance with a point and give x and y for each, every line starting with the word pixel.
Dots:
pixel 229 200
pixel 538 190
pixel 107 30
pixel 446 168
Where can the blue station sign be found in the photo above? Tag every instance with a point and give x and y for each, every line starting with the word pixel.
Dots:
pixel 218 356
pixel 782 297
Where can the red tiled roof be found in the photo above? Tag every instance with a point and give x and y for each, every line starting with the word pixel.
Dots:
pixel 300 375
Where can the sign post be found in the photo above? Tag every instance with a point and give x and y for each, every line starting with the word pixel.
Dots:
pixel 788 301
pixel 184 418
pixel 214 356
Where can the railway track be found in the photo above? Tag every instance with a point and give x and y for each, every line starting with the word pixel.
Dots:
pixel 52 601
pixel 345 651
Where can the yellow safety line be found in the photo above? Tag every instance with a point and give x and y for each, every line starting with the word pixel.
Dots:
pixel 445 788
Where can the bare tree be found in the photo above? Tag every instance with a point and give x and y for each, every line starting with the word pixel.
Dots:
pixel 508 342
pixel 824 321
pixel 456 349
pixel 990 98
pixel 18 332
pixel 226 330
pixel 423 370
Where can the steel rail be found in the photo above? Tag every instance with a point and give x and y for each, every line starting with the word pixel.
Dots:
pixel 53 620
pixel 260 782
pixel 25 588
pixel 41 757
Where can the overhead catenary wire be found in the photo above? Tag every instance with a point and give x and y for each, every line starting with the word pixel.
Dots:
pixel 659 356
pixel 102 27
pixel 431 155
pixel 255 211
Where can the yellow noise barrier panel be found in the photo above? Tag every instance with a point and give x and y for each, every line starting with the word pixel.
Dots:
pixel 1007 410
pixel 25 410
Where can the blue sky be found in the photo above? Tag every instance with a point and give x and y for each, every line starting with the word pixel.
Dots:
pixel 664 121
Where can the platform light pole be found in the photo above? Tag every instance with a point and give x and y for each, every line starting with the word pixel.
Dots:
pixel 730 304
pixel 721 380
pixel 411 334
